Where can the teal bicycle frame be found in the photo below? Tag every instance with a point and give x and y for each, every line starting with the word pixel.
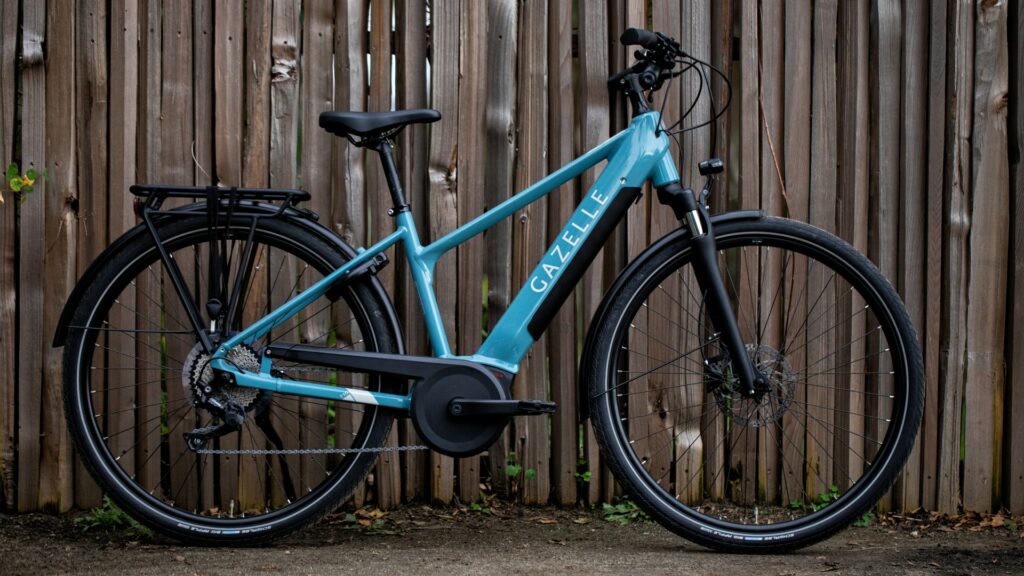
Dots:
pixel 637 154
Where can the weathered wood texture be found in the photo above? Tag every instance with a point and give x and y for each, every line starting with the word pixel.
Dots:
pixel 442 194
pixel 8 283
pixel 885 122
pixel 1013 453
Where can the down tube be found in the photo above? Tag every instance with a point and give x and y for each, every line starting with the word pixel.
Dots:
pixel 644 157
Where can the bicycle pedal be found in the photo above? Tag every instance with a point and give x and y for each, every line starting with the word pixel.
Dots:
pixel 468 407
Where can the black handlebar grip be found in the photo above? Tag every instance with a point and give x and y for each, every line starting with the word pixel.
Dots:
pixel 638 37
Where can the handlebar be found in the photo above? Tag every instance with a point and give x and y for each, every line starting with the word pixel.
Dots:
pixel 639 37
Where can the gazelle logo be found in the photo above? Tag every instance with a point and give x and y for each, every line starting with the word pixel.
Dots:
pixel 565 247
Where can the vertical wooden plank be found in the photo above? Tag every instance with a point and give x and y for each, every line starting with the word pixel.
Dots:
pixel 8 399
pixel 743 449
pixel 528 238
pixel 228 82
pixel 472 101
pixel 957 223
pixel 615 248
pixel 349 217
pixel 932 335
pixel 218 474
pixel 809 95
pixel 722 15
pixel 228 44
pixel 562 331
pixel 55 467
pixel 846 459
pixel 501 137
pixel 412 166
pixel 177 132
pixel 315 160
pixel 211 96
pixel 987 271
pixel 389 475
pixel 444 21
pixel 1014 452
pixel 8 72
pixel 149 169
pixel 913 205
pixel 884 190
pixel 685 433
pixel 284 122
pixel 92 99
pixel 637 238
pixel 176 102
pixel 124 97
pixel 821 212
pixel 773 202
pixel 593 122
pixel 255 69
pixel 30 269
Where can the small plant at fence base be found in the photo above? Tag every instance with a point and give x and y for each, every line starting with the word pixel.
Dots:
pixel 823 500
pixel 864 521
pixel 110 517
pixel 20 184
pixel 515 472
pixel 624 511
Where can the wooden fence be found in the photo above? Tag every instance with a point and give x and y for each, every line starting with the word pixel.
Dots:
pixel 894 123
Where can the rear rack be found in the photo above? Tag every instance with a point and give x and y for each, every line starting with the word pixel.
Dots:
pixel 160 191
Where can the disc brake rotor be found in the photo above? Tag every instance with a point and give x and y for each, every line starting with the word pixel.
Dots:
pixel 765 408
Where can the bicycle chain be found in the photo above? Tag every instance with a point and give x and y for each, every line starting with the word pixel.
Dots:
pixel 295 451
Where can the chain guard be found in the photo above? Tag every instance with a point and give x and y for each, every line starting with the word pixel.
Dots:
pixel 436 426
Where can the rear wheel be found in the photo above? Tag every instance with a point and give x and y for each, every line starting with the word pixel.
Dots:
pixel 795 463
pixel 134 369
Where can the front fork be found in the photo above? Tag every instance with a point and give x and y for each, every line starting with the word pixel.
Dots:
pixel 705 263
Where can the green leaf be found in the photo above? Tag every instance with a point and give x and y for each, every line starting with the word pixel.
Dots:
pixel 27 189
pixel 530 474
pixel 513 470
pixel 15 184
pixel 31 174
pixel 12 172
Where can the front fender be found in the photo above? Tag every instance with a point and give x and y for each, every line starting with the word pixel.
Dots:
pixel 139 233
pixel 583 391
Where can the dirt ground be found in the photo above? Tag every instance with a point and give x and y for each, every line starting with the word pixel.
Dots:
pixel 450 541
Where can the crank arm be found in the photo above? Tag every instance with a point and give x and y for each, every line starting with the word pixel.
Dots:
pixel 468 407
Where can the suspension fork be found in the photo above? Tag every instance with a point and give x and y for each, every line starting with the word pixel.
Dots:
pixel 705 263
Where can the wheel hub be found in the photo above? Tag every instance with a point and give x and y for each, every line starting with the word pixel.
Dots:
pixel 766 406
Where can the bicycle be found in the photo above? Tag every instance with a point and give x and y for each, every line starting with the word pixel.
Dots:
pixel 755 384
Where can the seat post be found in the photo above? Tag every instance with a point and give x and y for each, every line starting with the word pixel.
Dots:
pixel 387 161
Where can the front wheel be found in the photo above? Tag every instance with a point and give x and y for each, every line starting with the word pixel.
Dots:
pixel 794 463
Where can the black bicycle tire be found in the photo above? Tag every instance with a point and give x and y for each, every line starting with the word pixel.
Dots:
pixel 677 517
pixel 112 479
